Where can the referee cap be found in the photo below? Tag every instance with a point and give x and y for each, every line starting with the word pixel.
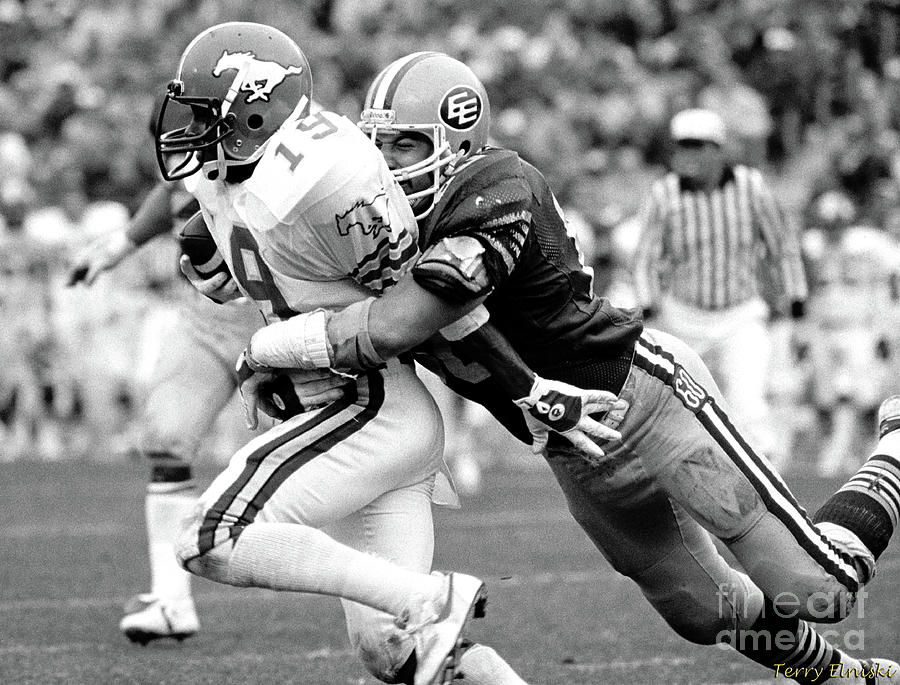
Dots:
pixel 698 124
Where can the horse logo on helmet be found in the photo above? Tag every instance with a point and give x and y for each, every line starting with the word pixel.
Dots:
pixel 261 76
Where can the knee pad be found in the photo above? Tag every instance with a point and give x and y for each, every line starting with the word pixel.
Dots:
pixel 387 653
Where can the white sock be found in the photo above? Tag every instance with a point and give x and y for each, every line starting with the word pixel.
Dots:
pixel 164 512
pixel 481 665
pixel 298 558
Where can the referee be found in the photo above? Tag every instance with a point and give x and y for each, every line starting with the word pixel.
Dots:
pixel 716 258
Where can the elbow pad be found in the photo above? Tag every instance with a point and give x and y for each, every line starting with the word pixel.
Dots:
pixel 454 270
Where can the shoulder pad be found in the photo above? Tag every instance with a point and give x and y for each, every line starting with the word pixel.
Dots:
pixel 492 185
pixel 454 269
pixel 300 168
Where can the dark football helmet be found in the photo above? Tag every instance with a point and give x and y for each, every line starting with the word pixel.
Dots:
pixel 237 83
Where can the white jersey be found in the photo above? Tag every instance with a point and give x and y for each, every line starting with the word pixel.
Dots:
pixel 320 223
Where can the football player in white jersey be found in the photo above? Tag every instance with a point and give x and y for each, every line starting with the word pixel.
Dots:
pixel 306 214
pixel 192 381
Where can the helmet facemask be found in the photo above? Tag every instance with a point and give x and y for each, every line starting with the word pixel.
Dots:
pixel 183 151
pixel 439 163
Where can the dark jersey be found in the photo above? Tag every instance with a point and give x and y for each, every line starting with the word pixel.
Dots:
pixel 542 298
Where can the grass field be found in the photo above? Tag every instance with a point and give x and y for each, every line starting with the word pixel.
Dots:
pixel 72 549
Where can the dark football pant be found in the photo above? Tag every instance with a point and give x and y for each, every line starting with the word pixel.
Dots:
pixel 681 473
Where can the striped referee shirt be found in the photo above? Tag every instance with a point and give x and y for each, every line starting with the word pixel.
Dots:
pixel 717 249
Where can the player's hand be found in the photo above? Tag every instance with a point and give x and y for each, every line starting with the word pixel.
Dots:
pixel 283 393
pixel 220 287
pixel 250 377
pixel 565 409
pixel 101 254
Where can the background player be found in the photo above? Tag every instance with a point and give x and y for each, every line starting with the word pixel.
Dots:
pixel 493 235
pixel 306 214
pixel 192 381
pixel 849 338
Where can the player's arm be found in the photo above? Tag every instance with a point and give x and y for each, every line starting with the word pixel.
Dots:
pixel 153 218
pixel 781 238
pixel 441 294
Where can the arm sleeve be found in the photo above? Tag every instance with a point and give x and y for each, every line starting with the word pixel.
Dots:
pixel 781 238
pixel 493 351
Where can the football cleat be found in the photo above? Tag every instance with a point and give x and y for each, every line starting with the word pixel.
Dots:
pixel 889 415
pixel 149 618
pixel 437 627
pixel 881 671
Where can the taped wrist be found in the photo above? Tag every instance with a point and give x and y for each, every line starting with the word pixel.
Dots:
pixel 299 342
pixel 348 333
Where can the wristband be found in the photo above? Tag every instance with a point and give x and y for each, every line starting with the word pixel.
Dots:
pixel 348 332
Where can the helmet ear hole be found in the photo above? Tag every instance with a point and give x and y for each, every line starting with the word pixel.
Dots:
pixel 465 147
pixel 255 121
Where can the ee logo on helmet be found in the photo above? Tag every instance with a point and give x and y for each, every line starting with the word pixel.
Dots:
pixel 461 108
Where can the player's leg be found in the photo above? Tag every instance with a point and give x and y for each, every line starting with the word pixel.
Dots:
pixel 191 381
pixel 693 450
pixel 259 522
pixel 397 526
pixel 652 540
pixel 744 358
pixel 865 511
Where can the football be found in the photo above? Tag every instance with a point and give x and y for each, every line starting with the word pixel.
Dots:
pixel 278 398
pixel 197 243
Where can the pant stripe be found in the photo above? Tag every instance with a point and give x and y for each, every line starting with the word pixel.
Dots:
pixel 279 447
pixel 317 447
pixel 768 485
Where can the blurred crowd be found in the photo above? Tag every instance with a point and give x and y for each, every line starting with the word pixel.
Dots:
pixel 584 89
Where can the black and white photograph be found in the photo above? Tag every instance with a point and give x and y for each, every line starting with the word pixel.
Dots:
pixel 346 342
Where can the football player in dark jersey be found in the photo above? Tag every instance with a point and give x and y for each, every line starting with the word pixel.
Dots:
pixel 498 265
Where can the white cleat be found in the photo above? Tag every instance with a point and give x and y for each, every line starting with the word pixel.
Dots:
pixel 889 415
pixel 438 626
pixel 881 671
pixel 150 618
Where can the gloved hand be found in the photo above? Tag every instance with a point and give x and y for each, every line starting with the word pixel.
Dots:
pixel 565 409
pixel 220 287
